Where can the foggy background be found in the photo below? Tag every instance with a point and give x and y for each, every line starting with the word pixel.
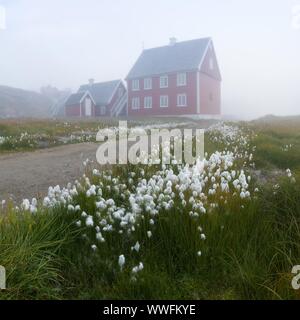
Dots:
pixel 63 43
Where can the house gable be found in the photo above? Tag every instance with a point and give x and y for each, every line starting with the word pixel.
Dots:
pixel 209 65
pixel 102 92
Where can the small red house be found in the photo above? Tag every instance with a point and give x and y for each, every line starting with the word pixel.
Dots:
pixel 105 99
pixel 179 79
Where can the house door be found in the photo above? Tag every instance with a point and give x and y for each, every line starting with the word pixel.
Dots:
pixel 88 107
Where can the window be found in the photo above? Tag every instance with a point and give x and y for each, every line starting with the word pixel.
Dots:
pixel 164 101
pixel 135 103
pixel 135 85
pixel 211 63
pixel 181 100
pixel 164 82
pixel 181 79
pixel 147 83
pixel 148 102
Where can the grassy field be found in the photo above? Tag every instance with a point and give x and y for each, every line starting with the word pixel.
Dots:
pixel 226 228
pixel 32 134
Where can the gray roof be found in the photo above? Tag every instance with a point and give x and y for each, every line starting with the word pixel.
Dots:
pixel 74 98
pixel 101 92
pixel 181 56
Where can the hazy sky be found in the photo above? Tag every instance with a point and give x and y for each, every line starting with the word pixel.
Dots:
pixel 65 42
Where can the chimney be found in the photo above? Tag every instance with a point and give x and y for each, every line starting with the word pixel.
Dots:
pixel 91 81
pixel 173 41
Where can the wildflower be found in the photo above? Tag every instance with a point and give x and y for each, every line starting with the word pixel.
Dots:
pixel 84 214
pixel 141 266
pixel 136 247
pixel 89 221
pixel 199 253
pixel 78 223
pixel 25 204
pixel 202 236
pixel 149 234
pixel 71 208
pixel 121 261
pixel 94 247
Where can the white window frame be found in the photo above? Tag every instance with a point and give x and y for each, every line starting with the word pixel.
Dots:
pixel 182 100
pixel 148 102
pixel 135 103
pixel 147 83
pixel 164 81
pixel 181 79
pixel 166 97
pixel 135 85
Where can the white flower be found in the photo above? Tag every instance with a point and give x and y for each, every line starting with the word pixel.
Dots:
pixel 136 247
pixel 149 234
pixel 199 253
pixel 242 195
pixel 202 236
pixel 71 208
pixel 141 266
pixel 25 204
pixel 121 261
pixel 94 247
pixel 135 269
pixel 84 214
pixel 78 223
pixel 89 221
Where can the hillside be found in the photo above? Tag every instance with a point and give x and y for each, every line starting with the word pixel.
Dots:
pixel 21 103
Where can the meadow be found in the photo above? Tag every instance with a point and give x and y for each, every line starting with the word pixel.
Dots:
pixel 32 134
pixel 227 227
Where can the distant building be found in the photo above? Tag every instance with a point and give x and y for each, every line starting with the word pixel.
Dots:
pixel 105 99
pixel 178 79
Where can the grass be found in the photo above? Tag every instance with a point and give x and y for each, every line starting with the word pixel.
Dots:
pixel 248 253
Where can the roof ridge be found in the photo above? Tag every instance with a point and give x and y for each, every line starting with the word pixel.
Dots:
pixel 178 43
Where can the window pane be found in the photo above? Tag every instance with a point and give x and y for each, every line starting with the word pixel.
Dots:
pixel 164 81
pixel 181 79
pixel 164 101
pixel 148 83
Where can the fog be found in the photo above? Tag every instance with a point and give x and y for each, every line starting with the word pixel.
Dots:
pixel 63 43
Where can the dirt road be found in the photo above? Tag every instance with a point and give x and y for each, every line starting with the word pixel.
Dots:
pixel 24 175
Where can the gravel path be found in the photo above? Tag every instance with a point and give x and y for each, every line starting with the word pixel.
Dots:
pixel 28 174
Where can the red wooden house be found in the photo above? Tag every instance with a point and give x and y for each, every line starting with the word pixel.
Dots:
pixel 105 99
pixel 179 79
